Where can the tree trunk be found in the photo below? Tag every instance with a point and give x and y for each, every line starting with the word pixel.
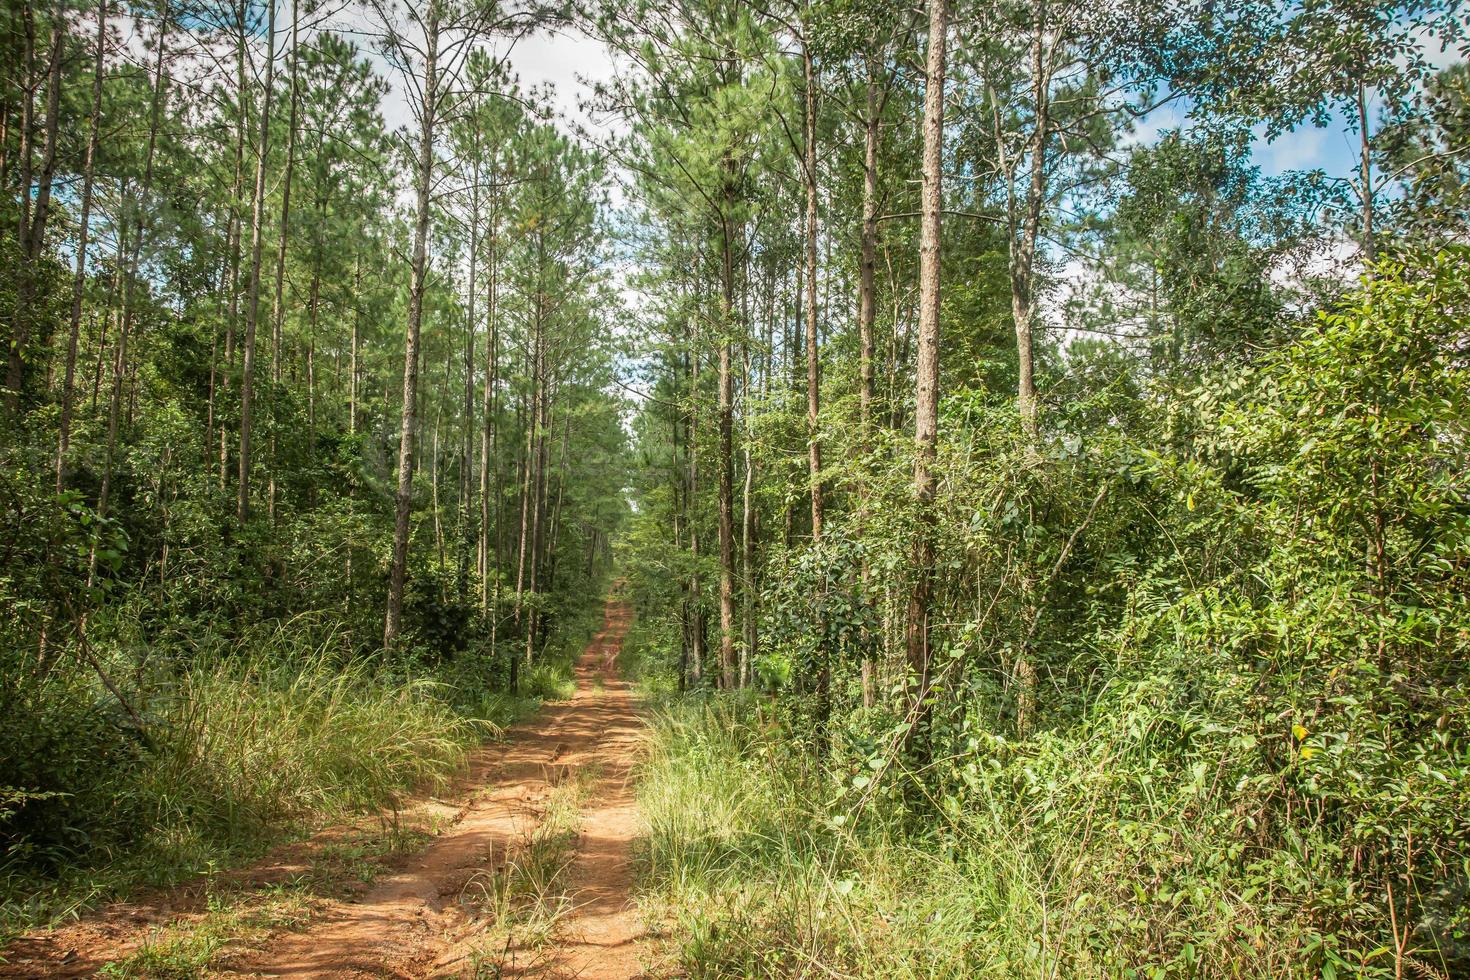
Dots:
pixel 489 560
pixel 868 315
pixel 79 278
pixel 530 485
pixel 257 241
pixel 696 598
pixel 15 352
pixel 747 537
pixel 32 232
pixel 813 381
pixel 467 444
pixel 1365 176
pixel 926 401
pixel 352 369
pixel 727 453
pixel 278 308
pixel 403 510
pixel 1023 253
pixel 233 236
pixel 130 274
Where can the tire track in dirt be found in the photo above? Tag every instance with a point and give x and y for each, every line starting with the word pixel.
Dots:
pixel 411 922
pixel 410 925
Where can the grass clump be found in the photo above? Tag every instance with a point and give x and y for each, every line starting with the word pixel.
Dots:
pixel 520 901
pixel 1073 854
pixel 746 874
pixel 238 749
pixel 186 949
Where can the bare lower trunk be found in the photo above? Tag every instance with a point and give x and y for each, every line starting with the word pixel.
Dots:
pixel 727 459
pixel 129 274
pixel 813 380
pixel 32 231
pixel 747 540
pixel 403 503
pixel 487 434
pixel 79 278
pixel 867 317
pixel 696 598
pixel 926 401
pixel 233 236
pixel 252 299
pixel 1023 251
pixel 278 308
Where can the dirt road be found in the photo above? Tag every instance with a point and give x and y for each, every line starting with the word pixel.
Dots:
pixel 495 893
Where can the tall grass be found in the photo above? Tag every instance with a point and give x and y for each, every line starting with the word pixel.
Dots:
pixel 750 876
pixel 1061 863
pixel 239 748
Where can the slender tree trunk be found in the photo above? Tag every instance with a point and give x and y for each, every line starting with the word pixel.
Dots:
pixel 1023 256
pixel 868 263
pixel 434 484
pixel 79 278
pixel 467 447
pixel 868 315
pixel 352 371
pixel 813 351
pixel 538 519
pixel 257 241
pixel 727 454
pixel 747 536
pixel 403 511
pixel 233 235
pixel 489 560
pixel 530 484
pixel 104 316
pixel 15 352
pixel 696 596
pixel 1368 245
pixel 32 231
pixel 681 519
pixel 312 308
pixel 129 275
pixel 278 307
pixel 926 407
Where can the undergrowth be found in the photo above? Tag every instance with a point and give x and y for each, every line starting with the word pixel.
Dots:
pixel 520 901
pixel 237 750
pixel 759 863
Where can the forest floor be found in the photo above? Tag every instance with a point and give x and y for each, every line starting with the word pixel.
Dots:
pixel 524 870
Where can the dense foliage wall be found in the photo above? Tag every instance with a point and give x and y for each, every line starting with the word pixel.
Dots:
pixel 217 483
pixel 1190 622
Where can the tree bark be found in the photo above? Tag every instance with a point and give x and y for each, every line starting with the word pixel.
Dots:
pixel 868 313
pixel 813 352
pixel 926 401
pixel 278 308
pixel 467 447
pixel 233 236
pixel 488 560
pixel 727 453
pixel 696 598
pixel 257 241
pixel 79 278
pixel 1365 176
pixel 32 231
pixel 129 275
pixel 1023 252
pixel 403 503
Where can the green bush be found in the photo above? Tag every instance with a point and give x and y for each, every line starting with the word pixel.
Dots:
pixel 1200 705
pixel 234 750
